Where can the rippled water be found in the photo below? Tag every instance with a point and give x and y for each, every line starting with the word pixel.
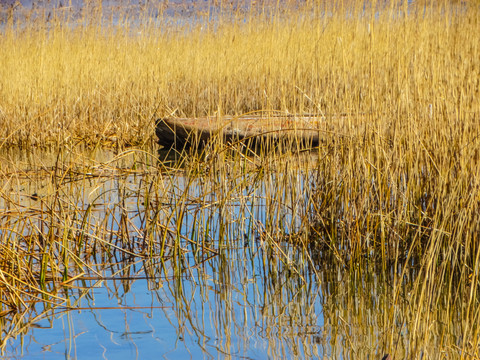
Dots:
pixel 165 13
pixel 169 14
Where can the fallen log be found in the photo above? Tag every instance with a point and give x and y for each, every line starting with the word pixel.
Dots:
pixel 254 132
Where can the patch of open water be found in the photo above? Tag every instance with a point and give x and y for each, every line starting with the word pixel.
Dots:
pixel 188 14
pixel 208 314
pixel 227 286
pixel 237 301
pixel 176 264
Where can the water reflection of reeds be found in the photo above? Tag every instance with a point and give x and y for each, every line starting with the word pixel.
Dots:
pixel 233 257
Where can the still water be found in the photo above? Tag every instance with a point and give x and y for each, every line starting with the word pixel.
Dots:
pixel 210 313
pixel 214 276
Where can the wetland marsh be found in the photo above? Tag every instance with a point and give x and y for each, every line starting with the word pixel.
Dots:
pixel 367 244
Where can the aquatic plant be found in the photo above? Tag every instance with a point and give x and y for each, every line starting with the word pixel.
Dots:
pixel 390 194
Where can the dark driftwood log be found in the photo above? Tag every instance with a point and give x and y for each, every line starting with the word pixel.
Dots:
pixel 254 132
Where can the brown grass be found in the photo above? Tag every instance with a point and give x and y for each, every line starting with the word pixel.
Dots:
pixel 74 83
pixel 394 190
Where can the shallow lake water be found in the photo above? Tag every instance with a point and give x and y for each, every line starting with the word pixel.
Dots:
pixel 236 300
pixel 170 14
pixel 219 281
pixel 208 313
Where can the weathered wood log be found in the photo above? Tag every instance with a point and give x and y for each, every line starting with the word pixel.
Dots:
pixel 254 132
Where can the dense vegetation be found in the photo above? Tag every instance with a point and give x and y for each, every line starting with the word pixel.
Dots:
pixel 395 183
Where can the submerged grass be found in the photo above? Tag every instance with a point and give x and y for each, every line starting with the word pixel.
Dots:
pixel 392 190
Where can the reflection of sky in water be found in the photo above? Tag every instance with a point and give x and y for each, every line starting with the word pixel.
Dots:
pixel 227 306
pixel 169 332
pixel 258 298
pixel 241 301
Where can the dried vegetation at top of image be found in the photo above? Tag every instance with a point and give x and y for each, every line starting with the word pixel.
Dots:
pixel 92 80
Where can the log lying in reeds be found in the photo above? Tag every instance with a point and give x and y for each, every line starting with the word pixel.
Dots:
pixel 255 132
